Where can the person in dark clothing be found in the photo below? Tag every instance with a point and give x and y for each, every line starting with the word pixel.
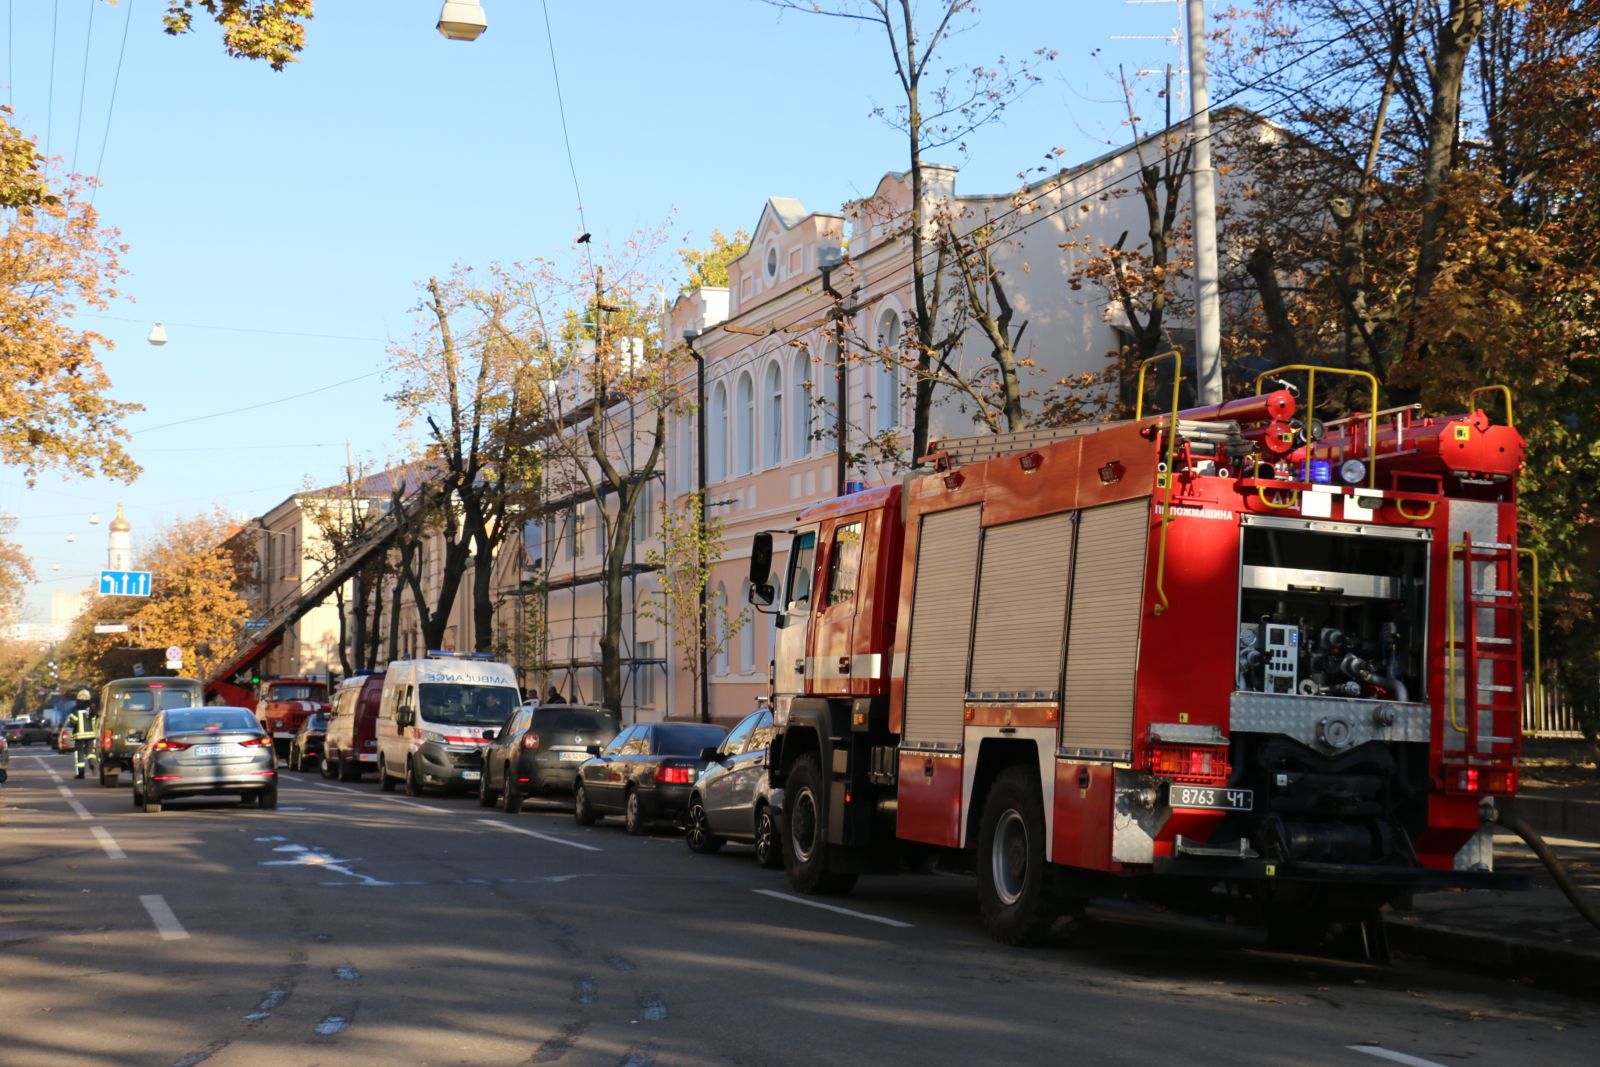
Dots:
pixel 553 696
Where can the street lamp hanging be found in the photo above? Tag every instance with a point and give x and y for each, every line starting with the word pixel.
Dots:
pixel 462 20
pixel 158 335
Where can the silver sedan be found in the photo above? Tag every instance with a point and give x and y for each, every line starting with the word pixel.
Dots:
pixel 211 751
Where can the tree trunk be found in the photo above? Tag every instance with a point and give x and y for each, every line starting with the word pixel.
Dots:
pixel 344 627
pixel 1262 269
pixel 369 651
pixel 1457 35
pixel 483 596
pixel 611 631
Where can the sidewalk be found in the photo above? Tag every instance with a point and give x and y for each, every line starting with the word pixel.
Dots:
pixel 1534 934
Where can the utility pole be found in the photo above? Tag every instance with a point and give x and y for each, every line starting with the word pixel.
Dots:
pixel 704 696
pixel 1207 329
pixel 829 259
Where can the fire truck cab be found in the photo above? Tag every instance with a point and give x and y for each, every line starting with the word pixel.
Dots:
pixel 282 704
pixel 1225 648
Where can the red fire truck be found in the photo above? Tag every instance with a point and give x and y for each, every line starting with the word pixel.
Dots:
pixel 1227 654
pixel 282 704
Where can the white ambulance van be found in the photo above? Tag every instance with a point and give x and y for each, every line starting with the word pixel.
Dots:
pixel 436 716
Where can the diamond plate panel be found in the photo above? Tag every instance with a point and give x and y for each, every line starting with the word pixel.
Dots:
pixel 1328 724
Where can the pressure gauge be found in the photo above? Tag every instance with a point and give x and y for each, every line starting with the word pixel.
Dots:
pixel 1247 637
pixel 1352 471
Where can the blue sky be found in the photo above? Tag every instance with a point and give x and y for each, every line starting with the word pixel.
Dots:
pixel 278 223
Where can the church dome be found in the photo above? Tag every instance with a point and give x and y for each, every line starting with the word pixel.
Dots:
pixel 120 523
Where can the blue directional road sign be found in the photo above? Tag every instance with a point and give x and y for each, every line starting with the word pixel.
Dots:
pixel 125 583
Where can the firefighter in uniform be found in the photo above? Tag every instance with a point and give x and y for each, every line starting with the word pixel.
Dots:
pixel 84 728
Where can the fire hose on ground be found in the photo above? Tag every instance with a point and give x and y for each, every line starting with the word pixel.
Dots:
pixel 1557 871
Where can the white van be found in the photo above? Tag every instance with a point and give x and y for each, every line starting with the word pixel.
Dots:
pixel 435 717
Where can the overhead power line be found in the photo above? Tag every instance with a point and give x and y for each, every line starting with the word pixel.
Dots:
pixel 116 80
pixel 83 85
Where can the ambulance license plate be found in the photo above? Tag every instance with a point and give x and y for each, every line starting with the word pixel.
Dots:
pixel 470 776
pixel 1213 797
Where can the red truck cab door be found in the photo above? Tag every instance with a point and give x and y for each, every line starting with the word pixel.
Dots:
pixel 830 659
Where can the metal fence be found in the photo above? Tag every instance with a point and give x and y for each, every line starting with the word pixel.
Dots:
pixel 1547 712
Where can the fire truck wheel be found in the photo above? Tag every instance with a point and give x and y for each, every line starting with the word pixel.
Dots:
pixel 582 813
pixel 805 843
pixel 697 831
pixel 1013 886
pixel 385 783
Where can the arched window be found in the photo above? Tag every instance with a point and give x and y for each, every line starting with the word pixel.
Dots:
pixel 826 399
pixel 717 434
pixel 719 629
pixel 747 642
pixel 801 404
pixel 886 374
pixel 744 417
pixel 772 415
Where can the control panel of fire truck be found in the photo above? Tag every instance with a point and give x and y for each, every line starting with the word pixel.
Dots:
pixel 1330 613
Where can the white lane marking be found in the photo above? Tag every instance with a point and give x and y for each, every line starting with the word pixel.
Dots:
pixel 392 800
pixel 1392 1056
pixel 333 1024
pixel 167 924
pixel 832 907
pixel 498 825
pixel 108 843
pixel 75 804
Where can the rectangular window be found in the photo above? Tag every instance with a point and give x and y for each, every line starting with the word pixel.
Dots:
pixel 644 512
pixel 845 566
pixel 802 567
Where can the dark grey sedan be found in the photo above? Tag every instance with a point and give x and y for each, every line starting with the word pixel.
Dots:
pixel 733 800
pixel 539 749
pixel 644 774
pixel 212 751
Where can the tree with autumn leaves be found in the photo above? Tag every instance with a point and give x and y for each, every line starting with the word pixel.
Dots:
pixel 1428 213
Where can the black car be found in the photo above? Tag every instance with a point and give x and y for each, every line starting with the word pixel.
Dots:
pixel 308 745
pixel 539 749
pixel 645 774
pixel 733 800
pixel 26 731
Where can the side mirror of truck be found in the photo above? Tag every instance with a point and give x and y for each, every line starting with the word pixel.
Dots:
pixel 762 594
pixel 761 561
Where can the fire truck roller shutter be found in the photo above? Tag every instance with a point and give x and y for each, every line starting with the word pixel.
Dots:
pixel 1022 609
pixel 941 628
pixel 1103 630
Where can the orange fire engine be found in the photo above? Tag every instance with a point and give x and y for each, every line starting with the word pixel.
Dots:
pixel 1218 654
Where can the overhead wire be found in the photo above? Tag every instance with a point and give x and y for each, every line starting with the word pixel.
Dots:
pixel 262 404
pixel 241 329
pixel 83 86
pixel 50 96
pixel 111 107
pixel 566 137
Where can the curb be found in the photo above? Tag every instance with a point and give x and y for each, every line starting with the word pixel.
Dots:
pixel 1554 815
pixel 1572 970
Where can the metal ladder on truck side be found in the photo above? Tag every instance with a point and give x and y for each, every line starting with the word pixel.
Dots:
pixel 1488 709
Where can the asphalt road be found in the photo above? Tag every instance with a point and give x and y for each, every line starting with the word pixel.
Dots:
pixel 354 927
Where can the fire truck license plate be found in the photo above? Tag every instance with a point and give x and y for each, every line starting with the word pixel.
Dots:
pixel 1204 796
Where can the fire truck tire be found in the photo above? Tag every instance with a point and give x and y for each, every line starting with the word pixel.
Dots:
pixel 1013 886
pixel 697 829
pixel 582 813
pixel 385 783
pixel 805 840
